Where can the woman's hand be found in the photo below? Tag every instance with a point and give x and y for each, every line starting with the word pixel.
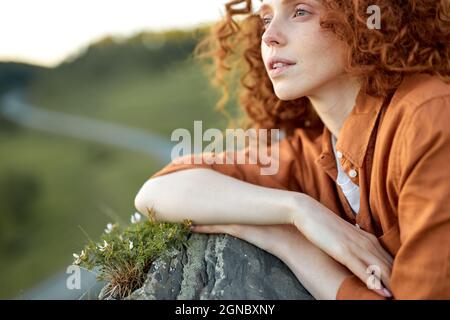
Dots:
pixel 353 247
pixel 275 239
pixel 286 242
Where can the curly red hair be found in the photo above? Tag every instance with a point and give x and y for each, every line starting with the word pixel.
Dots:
pixel 415 37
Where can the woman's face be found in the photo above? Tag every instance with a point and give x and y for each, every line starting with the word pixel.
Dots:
pixel 313 57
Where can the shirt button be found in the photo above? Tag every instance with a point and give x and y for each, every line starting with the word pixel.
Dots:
pixel 339 154
pixel 352 173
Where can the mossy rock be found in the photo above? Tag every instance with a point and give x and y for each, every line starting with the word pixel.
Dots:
pixel 219 267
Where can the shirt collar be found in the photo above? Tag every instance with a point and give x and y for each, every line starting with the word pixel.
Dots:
pixel 355 133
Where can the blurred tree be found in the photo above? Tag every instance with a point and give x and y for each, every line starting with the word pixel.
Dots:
pixel 16 75
pixel 154 51
pixel 18 193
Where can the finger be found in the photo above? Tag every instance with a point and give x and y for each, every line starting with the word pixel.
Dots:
pixel 377 245
pixel 375 253
pixel 384 292
pixel 372 253
pixel 216 229
pixel 384 254
pixel 377 267
pixel 375 282
pixel 359 269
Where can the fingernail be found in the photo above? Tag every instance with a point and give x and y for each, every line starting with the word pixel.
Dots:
pixel 191 227
pixel 387 293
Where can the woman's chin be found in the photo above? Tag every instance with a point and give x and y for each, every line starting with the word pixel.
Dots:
pixel 287 95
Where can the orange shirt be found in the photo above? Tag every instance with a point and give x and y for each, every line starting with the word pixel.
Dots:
pixel 400 151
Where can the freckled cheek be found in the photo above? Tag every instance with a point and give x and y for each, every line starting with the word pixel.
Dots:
pixel 314 51
pixel 311 43
pixel 332 47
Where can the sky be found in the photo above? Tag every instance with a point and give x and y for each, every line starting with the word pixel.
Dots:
pixel 45 32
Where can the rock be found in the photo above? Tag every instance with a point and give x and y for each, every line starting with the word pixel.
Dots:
pixel 220 267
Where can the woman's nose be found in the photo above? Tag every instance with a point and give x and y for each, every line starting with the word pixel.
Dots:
pixel 273 36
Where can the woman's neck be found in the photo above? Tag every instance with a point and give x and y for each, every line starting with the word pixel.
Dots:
pixel 334 102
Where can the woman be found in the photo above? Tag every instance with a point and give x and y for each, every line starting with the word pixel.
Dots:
pixel 360 205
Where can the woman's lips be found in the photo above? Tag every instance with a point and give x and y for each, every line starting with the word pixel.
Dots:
pixel 279 71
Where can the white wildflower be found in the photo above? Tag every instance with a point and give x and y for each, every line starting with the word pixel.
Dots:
pixel 131 245
pixel 136 217
pixel 79 257
pixel 110 227
pixel 105 245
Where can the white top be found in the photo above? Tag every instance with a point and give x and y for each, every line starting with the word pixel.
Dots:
pixel 349 189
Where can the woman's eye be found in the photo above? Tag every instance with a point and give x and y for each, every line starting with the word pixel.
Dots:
pixel 265 21
pixel 300 12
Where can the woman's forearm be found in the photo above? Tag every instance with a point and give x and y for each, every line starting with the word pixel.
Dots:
pixel 209 197
pixel 320 274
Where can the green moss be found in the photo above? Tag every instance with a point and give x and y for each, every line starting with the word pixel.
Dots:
pixel 123 256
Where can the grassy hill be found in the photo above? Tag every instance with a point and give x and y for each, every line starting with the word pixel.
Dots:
pixel 158 87
pixel 50 185
pixel 14 74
